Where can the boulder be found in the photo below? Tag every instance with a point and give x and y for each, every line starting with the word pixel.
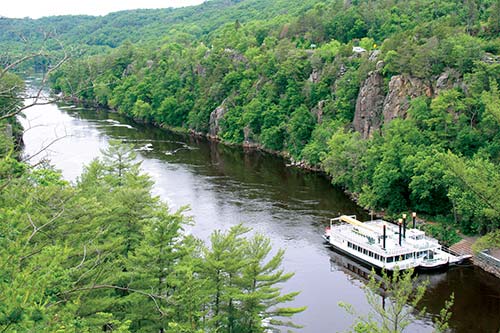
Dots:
pixel 369 105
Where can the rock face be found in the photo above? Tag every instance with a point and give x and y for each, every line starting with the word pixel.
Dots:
pixel 447 80
pixel 374 108
pixel 369 105
pixel 315 76
pixel 215 119
pixel 402 89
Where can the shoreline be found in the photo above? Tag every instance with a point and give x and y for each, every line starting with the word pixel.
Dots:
pixel 289 162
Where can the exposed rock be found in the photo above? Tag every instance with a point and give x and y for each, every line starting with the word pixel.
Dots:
pixel 342 70
pixel 215 119
pixel 248 135
pixel 369 105
pixel 402 89
pixel 235 55
pixel 380 65
pixel 374 109
pixel 8 130
pixel 318 111
pixel 490 58
pixel 447 80
pixel 150 63
pixel 374 55
pixel 315 76
pixel 128 70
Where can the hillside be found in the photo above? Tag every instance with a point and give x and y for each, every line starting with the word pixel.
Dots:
pixel 142 25
pixel 397 101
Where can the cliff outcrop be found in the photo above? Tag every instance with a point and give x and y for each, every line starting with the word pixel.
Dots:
pixel 402 89
pixel 369 105
pixel 375 108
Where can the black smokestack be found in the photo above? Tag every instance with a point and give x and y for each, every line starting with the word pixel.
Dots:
pixel 399 233
pixel 383 238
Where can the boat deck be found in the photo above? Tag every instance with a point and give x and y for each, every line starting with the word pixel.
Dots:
pixel 370 236
pixel 387 245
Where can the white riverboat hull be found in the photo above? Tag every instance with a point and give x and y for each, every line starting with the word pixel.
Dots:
pixel 397 250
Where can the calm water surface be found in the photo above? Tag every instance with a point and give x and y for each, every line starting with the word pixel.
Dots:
pixel 227 185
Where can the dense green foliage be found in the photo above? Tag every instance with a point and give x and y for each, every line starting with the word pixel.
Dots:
pixel 104 254
pixel 90 35
pixel 291 84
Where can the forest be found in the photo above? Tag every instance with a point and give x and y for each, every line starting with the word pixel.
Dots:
pixel 396 101
pixel 104 254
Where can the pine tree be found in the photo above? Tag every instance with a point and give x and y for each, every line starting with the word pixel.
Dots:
pixel 243 284
pixel 151 269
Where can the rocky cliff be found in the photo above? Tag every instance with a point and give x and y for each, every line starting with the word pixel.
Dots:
pixel 369 105
pixel 402 89
pixel 375 108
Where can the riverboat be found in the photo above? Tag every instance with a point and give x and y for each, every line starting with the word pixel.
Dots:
pixel 388 246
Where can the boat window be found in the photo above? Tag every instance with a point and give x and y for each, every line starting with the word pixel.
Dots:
pixel 390 259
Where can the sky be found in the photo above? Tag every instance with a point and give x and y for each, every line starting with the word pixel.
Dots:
pixel 39 8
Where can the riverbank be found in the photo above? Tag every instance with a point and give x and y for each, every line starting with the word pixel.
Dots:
pixel 225 186
pixel 289 162
pixel 302 164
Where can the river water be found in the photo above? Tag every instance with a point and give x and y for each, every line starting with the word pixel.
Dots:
pixel 228 185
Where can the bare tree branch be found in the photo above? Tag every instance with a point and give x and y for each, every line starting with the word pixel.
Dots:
pixel 36 229
pixel 38 94
pixel 19 61
pixel 44 148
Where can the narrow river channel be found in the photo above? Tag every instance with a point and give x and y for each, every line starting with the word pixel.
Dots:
pixel 227 185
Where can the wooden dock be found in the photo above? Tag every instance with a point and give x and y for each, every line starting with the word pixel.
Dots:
pixel 464 247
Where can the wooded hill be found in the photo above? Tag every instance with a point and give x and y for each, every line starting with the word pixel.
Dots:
pixel 96 34
pixel 396 100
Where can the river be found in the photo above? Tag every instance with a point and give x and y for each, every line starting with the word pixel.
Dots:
pixel 227 185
